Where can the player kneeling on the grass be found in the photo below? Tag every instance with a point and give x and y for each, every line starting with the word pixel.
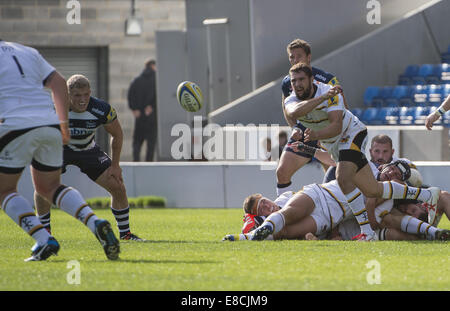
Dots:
pixel 319 107
pixel 86 114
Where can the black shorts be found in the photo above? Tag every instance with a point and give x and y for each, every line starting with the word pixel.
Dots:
pixel 314 143
pixel 92 162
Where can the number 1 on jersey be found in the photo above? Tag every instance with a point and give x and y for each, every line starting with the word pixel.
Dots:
pixel 19 66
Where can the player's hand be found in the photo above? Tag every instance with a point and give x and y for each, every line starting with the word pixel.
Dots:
pixel 296 134
pixel 115 172
pixel 310 135
pixel 432 117
pixel 148 110
pixel 373 221
pixel 335 90
pixel 65 132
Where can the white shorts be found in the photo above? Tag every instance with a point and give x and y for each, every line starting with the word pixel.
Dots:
pixel 41 147
pixel 328 211
pixel 349 140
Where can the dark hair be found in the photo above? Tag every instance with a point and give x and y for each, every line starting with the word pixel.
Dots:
pixel 149 63
pixel 302 67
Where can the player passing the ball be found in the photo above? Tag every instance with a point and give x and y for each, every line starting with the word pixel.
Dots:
pixel 319 107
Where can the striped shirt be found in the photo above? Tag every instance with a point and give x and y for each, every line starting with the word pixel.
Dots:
pixel 84 124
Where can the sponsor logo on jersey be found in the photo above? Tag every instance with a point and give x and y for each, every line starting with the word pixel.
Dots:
pixel 80 132
pixel 102 113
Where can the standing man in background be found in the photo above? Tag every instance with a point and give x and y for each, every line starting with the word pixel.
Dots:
pixel 142 101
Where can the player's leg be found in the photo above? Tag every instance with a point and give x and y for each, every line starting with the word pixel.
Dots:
pixel 299 207
pixel 345 174
pixel 46 176
pixel 119 204
pixel 22 213
pixel 298 230
pixel 289 163
pixel 43 208
pixel 412 225
pixel 16 149
pixel 391 234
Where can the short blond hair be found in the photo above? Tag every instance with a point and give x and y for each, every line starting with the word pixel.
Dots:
pixel 78 81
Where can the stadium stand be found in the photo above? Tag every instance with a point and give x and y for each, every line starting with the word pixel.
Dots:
pixel 420 90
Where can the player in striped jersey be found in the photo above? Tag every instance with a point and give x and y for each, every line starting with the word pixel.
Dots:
pixel 321 109
pixel 291 161
pixel 86 115
pixel 32 133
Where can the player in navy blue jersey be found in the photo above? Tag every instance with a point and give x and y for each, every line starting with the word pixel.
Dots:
pixel 291 161
pixel 86 114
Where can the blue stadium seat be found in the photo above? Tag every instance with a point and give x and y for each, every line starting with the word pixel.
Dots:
pixel 407 115
pixel 444 70
pixel 384 94
pixel 426 75
pixel 445 90
pixel 421 114
pixel 369 115
pixel 370 93
pixel 420 95
pixel 357 112
pixel 401 96
pixel 410 72
pixel 445 57
pixel 391 115
pixel 434 94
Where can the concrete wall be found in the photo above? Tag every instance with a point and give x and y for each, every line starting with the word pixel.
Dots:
pixel 42 23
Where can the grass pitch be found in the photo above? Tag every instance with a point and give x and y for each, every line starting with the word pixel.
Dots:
pixel 184 252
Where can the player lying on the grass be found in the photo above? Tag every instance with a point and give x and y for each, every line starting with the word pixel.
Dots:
pixel 320 208
pixel 86 114
pixel 321 110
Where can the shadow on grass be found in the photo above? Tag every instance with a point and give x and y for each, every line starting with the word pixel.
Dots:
pixel 154 261
pixel 173 242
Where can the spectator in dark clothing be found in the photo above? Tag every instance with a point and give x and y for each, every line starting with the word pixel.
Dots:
pixel 142 101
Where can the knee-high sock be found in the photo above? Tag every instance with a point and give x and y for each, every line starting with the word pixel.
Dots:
pixel 413 225
pixel 21 211
pixel 395 190
pixel 356 202
pixel 70 200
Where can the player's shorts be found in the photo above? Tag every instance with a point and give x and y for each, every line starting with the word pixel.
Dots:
pixel 329 210
pixel 92 162
pixel 350 146
pixel 39 146
pixel 383 209
pixel 314 143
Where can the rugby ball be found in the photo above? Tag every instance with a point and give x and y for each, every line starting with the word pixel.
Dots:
pixel 189 96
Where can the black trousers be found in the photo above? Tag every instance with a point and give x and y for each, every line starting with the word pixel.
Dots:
pixel 144 130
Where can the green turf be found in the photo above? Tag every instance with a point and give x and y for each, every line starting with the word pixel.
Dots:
pixel 184 252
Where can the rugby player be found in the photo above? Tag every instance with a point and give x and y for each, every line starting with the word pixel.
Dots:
pixel 86 115
pixel 320 108
pixel 323 215
pixel 33 130
pixel 299 51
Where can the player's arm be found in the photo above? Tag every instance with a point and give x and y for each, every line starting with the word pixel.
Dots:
pixel 433 117
pixel 321 155
pixel 289 120
pixel 115 130
pixel 57 84
pixel 332 130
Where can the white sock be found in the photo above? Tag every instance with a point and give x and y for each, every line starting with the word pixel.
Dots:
pixel 413 225
pixel 395 190
pixel 356 202
pixel 276 221
pixel 21 211
pixel 71 201
pixel 281 188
